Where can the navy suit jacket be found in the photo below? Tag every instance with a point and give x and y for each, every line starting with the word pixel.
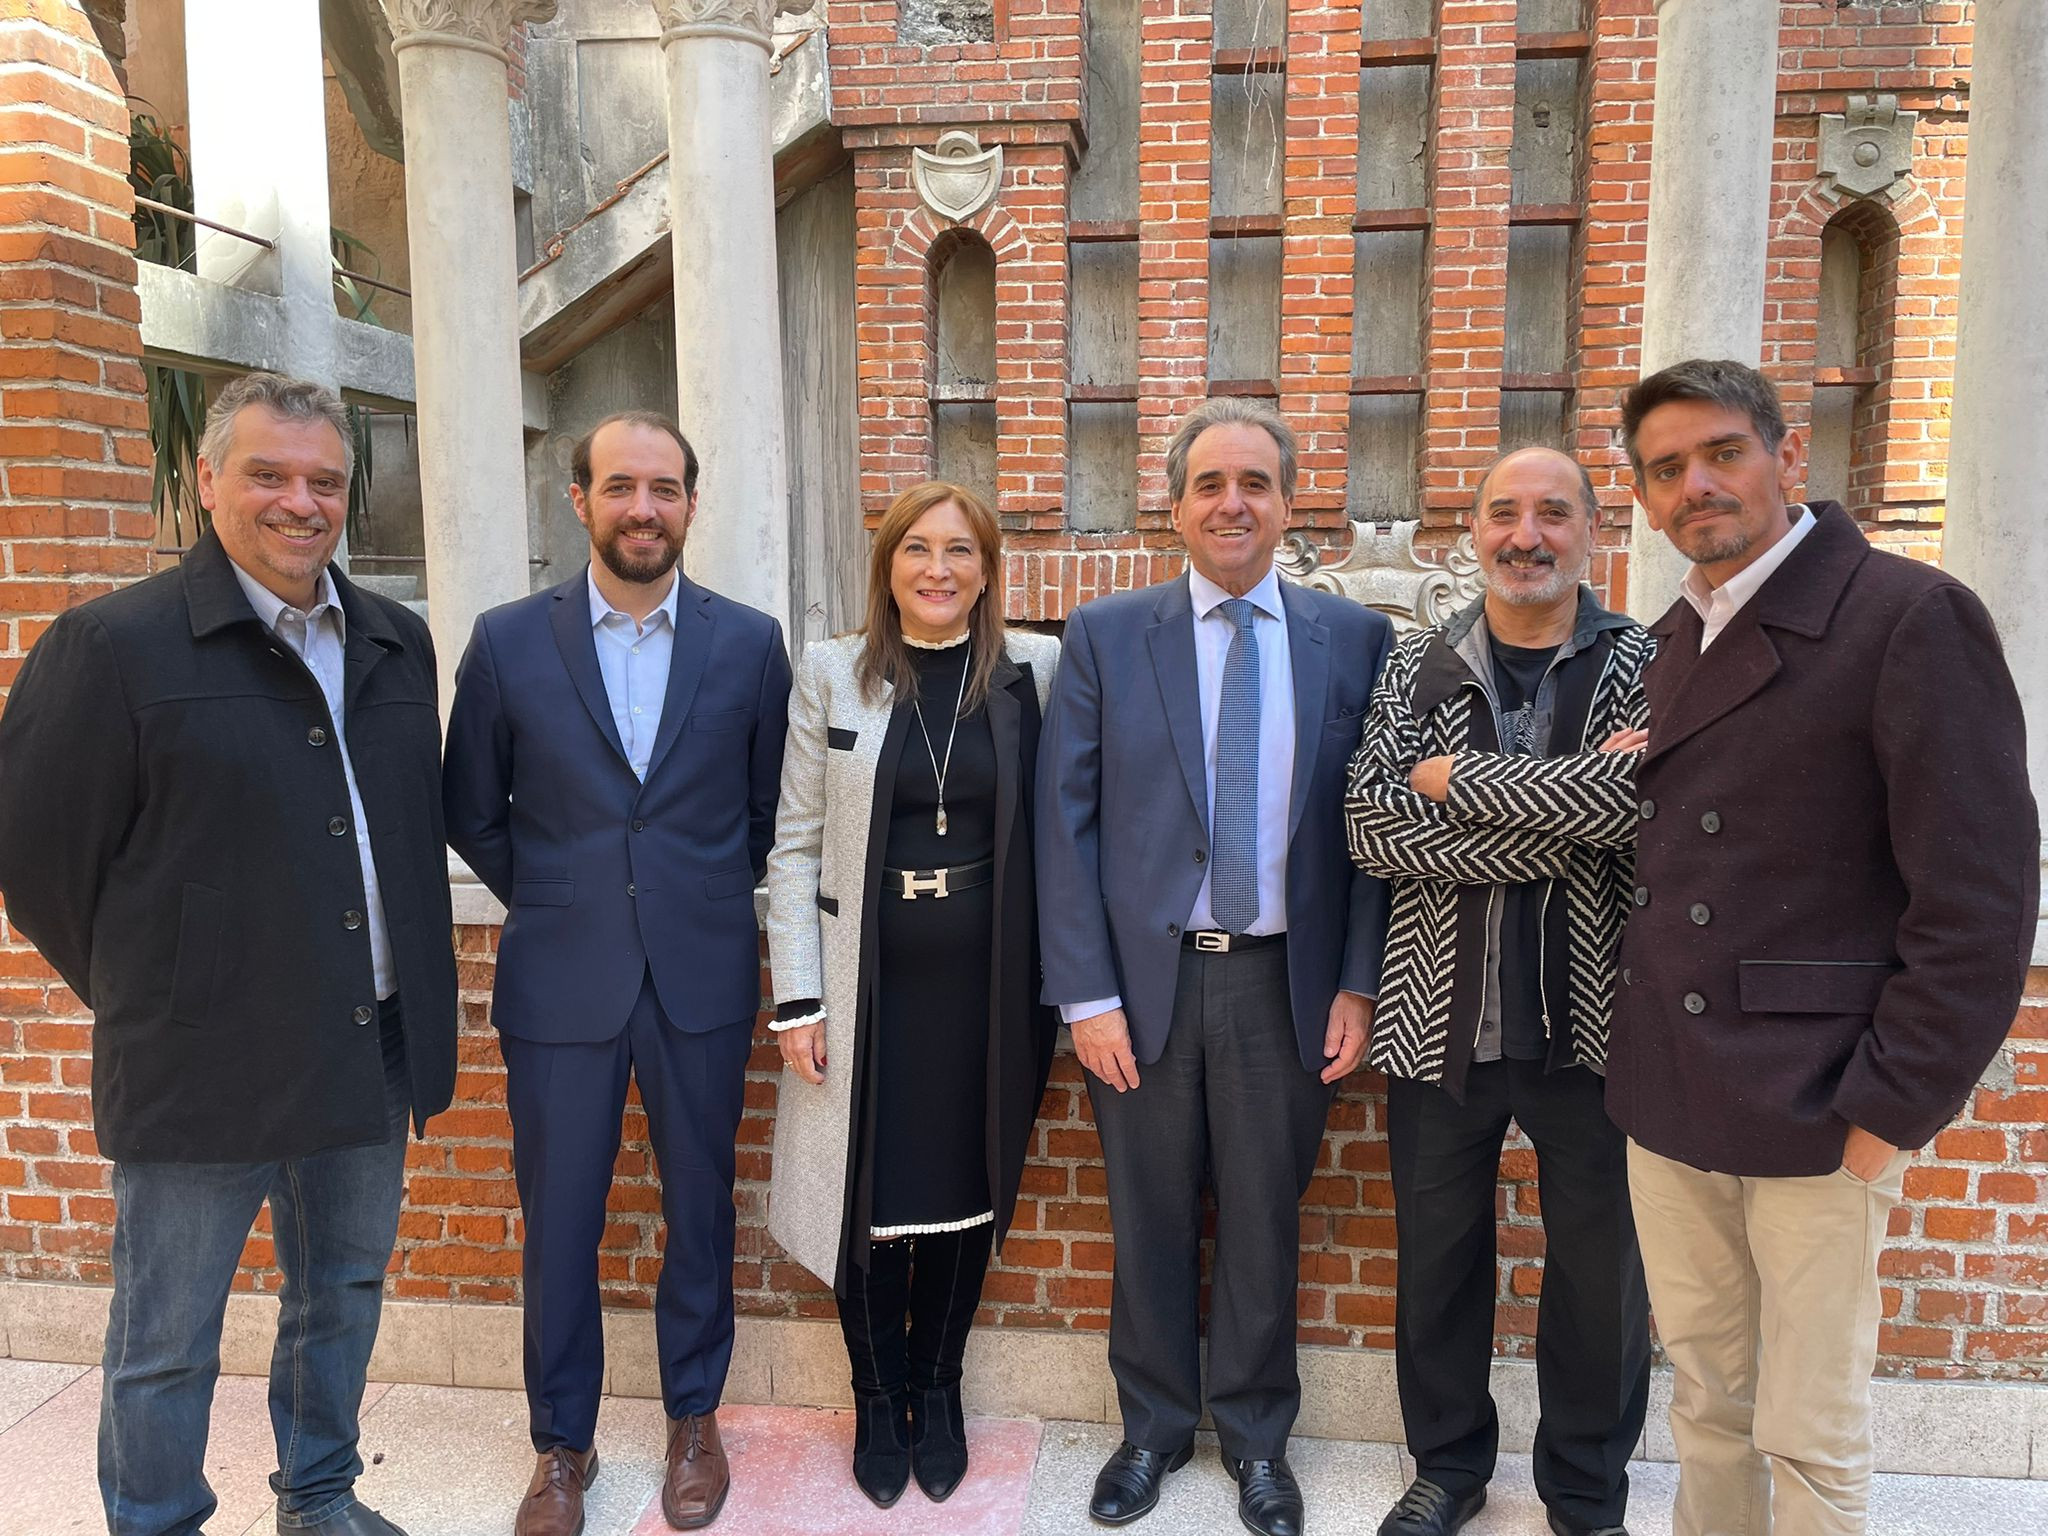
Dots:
pixel 1123 808
pixel 605 877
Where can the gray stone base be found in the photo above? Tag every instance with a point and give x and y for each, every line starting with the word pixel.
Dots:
pixel 1963 1429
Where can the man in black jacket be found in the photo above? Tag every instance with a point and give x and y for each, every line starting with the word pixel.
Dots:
pixel 220 822
pixel 1493 790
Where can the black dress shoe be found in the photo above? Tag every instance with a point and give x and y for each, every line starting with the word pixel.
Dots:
pixel 1560 1526
pixel 1128 1484
pixel 938 1441
pixel 1268 1497
pixel 881 1449
pixel 355 1520
pixel 1426 1510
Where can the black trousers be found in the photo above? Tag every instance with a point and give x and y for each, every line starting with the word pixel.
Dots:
pixel 1592 1324
pixel 1228 1095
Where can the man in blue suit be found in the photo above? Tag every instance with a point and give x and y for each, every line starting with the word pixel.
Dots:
pixel 614 755
pixel 1210 944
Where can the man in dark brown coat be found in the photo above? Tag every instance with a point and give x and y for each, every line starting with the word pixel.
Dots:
pixel 1838 875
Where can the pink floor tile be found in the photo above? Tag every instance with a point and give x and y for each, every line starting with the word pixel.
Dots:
pixel 792 1476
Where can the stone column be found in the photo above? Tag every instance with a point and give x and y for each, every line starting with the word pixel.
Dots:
pixel 728 322
pixel 465 306
pixel 1996 538
pixel 1712 122
pixel 259 163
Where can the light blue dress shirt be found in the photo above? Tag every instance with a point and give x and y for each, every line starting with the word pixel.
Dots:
pixel 319 639
pixel 1213 634
pixel 634 658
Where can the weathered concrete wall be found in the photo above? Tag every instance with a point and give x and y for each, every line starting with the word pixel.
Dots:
pixel 366 197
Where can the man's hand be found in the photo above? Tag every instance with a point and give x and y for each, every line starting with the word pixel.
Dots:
pixel 803 1051
pixel 1349 1033
pixel 1865 1155
pixel 1104 1045
pixel 1626 740
pixel 1432 778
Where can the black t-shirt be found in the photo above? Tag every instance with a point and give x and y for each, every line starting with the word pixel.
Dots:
pixel 1525 729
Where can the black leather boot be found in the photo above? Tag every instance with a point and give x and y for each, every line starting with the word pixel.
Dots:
pixel 946 1271
pixel 872 1308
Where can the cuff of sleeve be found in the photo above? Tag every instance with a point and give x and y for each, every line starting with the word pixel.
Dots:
pixel 793 1015
pixel 1072 1012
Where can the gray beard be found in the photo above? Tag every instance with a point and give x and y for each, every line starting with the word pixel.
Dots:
pixel 1563 579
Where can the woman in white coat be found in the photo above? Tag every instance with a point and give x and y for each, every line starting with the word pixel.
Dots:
pixel 902 935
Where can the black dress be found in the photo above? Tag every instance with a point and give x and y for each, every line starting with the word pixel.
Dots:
pixel 931 999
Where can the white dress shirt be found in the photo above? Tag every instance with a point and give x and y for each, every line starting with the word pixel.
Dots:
pixel 634 656
pixel 1717 605
pixel 319 639
pixel 1213 634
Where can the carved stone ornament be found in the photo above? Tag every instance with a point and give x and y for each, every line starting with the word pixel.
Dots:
pixel 487 22
pixel 1383 571
pixel 1868 148
pixel 959 178
pixel 753 20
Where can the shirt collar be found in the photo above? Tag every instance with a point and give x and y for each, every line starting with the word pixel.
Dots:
pixel 1742 586
pixel 601 608
pixel 1207 596
pixel 270 607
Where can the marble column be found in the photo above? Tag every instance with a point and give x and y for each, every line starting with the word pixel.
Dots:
pixel 253 62
pixel 728 322
pixel 1996 536
pixel 465 306
pixel 1713 119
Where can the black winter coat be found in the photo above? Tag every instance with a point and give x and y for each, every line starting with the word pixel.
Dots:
pixel 169 788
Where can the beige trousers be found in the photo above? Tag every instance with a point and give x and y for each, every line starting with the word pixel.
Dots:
pixel 1766 1299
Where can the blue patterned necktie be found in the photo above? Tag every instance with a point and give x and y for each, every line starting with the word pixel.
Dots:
pixel 1234 878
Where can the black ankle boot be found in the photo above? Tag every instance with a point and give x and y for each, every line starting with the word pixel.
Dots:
pixel 881 1450
pixel 938 1441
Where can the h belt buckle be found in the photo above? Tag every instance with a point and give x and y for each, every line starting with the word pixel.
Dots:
pixel 917 883
pixel 1212 941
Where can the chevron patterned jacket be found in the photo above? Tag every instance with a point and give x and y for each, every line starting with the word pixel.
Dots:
pixel 1568 817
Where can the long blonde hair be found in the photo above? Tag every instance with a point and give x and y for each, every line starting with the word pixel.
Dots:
pixel 886 658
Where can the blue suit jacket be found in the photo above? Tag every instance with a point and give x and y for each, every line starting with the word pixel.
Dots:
pixel 604 876
pixel 1123 808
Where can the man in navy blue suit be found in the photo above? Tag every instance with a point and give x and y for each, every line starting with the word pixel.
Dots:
pixel 614 755
pixel 1210 945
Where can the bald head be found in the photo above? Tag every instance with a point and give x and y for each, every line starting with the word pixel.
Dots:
pixel 1561 462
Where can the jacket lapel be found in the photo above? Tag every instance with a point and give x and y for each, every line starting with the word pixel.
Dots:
pixel 1005 727
pixel 1308 653
pixel 569 617
pixel 1172 641
pixel 686 661
pixel 369 639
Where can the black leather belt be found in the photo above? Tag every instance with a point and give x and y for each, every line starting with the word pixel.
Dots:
pixel 1214 941
pixel 913 883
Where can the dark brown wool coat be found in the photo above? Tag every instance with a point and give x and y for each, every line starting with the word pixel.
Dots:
pixel 1837 867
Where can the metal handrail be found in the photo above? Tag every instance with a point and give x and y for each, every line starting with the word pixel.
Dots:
pixel 269 245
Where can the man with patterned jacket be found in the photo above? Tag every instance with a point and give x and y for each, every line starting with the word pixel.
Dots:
pixel 1493 789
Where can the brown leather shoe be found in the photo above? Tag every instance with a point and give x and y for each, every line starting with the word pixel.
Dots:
pixel 694 1490
pixel 553 1505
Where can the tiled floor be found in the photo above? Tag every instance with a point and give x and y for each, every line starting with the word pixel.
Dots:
pixel 446 1461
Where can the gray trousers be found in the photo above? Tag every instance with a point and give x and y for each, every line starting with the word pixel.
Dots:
pixel 1228 1097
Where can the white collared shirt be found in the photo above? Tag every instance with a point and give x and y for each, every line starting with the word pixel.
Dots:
pixel 1213 634
pixel 634 657
pixel 319 638
pixel 1717 605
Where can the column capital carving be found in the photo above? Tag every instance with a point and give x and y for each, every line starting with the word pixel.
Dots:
pixel 750 20
pixel 482 24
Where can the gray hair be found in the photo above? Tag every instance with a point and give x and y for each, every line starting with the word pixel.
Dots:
pixel 1221 410
pixel 1731 385
pixel 1589 499
pixel 291 399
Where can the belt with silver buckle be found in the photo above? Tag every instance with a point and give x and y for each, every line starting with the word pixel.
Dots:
pixel 913 883
pixel 1214 941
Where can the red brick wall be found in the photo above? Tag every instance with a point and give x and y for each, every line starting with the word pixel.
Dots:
pixel 74 489
pixel 1967 1272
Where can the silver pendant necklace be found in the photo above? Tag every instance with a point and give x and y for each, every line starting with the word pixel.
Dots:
pixel 938 768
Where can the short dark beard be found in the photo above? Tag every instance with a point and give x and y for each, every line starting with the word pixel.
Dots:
pixel 616 557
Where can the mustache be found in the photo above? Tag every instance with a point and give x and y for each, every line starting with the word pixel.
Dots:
pixel 1526 559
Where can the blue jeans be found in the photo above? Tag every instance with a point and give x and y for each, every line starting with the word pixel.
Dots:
pixel 179 1229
